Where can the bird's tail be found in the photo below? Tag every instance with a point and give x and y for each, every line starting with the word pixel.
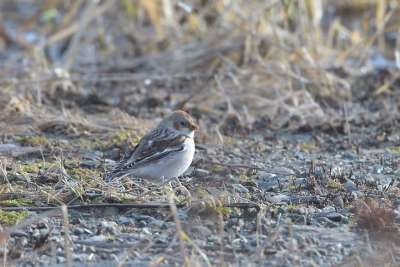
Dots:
pixel 112 171
pixel 116 172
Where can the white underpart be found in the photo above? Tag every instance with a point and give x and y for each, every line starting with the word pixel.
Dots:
pixel 173 165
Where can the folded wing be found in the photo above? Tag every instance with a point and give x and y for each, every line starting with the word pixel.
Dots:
pixel 154 146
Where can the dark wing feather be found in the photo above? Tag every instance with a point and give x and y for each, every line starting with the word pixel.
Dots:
pixel 156 142
pixel 154 146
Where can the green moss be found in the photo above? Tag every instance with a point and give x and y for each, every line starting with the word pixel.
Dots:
pixel 244 178
pixel 218 209
pixel 130 7
pixel 12 217
pixel 334 184
pixel 292 207
pixel 217 168
pixel 16 202
pixel 120 136
pixel 395 149
pixel 32 140
pixel 307 146
pixel 32 167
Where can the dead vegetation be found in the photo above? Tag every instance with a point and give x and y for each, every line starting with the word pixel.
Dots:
pixel 298 151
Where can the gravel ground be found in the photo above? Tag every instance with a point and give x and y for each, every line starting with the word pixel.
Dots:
pixel 307 191
pixel 297 157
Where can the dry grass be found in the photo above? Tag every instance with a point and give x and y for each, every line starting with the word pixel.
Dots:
pixel 275 58
pixel 102 72
pixel 378 220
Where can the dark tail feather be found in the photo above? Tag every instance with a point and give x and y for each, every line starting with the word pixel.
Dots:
pixel 114 174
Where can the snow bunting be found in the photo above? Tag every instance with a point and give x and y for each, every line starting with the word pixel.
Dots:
pixel 163 153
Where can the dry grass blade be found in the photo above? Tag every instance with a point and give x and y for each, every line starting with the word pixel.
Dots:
pixel 75 27
pixel 4 236
pixel 67 238
pixel 181 234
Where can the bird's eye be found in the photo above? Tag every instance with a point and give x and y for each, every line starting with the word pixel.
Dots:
pixel 183 123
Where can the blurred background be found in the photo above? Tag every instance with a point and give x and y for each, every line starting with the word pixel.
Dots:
pixel 281 64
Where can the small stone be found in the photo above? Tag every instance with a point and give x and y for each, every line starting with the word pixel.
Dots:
pixel 96 238
pixel 200 231
pixel 87 231
pixel 146 231
pixel 350 186
pixel 60 259
pixel 78 231
pixel 280 198
pixel 124 220
pixel 200 173
pixel 111 211
pixel 213 239
pixel 338 201
pixel 75 221
pixel 107 227
pixel 300 181
pixel 328 209
pixel 302 210
pixel 282 171
pixel 142 224
pixel 349 155
pixel 378 169
pixel 240 188
pixel 336 217
pixel 155 223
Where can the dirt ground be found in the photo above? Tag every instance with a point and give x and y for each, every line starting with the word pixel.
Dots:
pixel 297 157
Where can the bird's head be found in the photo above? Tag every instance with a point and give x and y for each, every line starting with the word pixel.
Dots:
pixel 181 122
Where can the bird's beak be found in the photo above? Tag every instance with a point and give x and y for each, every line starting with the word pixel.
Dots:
pixel 193 127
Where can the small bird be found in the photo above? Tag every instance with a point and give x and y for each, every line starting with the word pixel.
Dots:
pixel 165 152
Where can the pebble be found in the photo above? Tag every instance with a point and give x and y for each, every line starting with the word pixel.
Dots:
pixel 338 201
pixel 96 238
pixel 200 230
pixel 349 155
pixel 111 211
pixel 124 220
pixel 378 169
pixel 300 181
pixel 280 198
pixel 328 209
pixel 142 223
pixel 240 188
pixel 108 227
pixel 283 170
pixel 201 173
pixel 60 259
pixel 146 231
pixel 336 217
pixel 350 186
pixel 77 231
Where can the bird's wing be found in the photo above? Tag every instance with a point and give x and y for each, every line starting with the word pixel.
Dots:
pixel 156 145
